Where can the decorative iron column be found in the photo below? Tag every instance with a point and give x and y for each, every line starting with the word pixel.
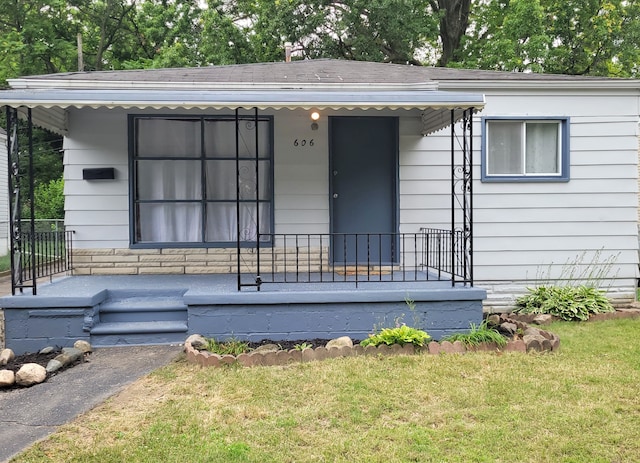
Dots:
pixel 23 273
pixel 245 234
pixel 461 246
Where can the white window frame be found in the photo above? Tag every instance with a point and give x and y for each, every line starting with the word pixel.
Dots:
pixel 562 174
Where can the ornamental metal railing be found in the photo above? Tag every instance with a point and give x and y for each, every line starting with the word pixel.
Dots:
pixel 42 254
pixel 427 255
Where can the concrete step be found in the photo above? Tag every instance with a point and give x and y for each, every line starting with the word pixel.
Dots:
pixel 141 317
pixel 140 309
pixel 138 333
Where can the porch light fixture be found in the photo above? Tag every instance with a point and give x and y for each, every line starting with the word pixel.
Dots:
pixel 314 117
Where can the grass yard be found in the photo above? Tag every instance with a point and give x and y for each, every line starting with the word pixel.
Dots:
pixel 580 405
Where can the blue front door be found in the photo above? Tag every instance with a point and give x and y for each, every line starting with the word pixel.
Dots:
pixel 363 175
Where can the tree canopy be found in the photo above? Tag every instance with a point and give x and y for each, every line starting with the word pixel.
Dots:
pixel 584 37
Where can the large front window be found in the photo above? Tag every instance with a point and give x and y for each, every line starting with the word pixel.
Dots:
pixel 185 176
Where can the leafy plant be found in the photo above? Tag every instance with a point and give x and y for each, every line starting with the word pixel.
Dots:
pixel 565 302
pixel 229 347
pixel 303 346
pixel 477 335
pixel 402 335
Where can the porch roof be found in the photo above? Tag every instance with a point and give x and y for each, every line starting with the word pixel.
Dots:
pixel 49 104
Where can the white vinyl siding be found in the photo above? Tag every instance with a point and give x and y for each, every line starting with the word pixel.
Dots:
pixel 522 230
pixel 527 231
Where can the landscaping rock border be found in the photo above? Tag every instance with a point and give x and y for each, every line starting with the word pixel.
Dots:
pixel 30 374
pixel 532 340
pixel 540 319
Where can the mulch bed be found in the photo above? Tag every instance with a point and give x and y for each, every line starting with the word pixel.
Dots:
pixel 288 345
pixel 40 359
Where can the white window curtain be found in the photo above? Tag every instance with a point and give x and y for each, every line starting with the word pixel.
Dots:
pixel 173 203
pixel 542 148
pixel 523 147
pixel 504 147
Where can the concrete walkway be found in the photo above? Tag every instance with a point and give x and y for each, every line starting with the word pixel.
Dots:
pixel 30 414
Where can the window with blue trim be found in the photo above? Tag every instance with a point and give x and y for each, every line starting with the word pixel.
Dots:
pixel 525 149
pixel 188 183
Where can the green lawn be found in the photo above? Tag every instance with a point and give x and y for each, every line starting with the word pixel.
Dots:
pixel 5 263
pixel 579 405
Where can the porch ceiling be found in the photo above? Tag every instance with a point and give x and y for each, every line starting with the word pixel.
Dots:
pixel 49 105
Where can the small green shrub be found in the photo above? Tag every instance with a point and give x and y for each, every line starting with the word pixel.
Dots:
pixel 566 302
pixel 229 347
pixel 477 335
pixel 402 335
pixel 303 346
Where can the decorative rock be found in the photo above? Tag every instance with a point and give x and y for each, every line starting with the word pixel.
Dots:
pixel 532 332
pixel 542 319
pixel 339 342
pixel 69 355
pixel 509 328
pixel 30 374
pixel 196 341
pixel 54 365
pixel 267 348
pixel 493 320
pixel 7 378
pixel 357 350
pixel 6 356
pixel 75 354
pixel 82 346
pixel 46 350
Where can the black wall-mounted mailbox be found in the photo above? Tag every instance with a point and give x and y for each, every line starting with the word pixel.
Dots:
pixel 102 173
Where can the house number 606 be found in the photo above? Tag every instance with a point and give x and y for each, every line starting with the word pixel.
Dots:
pixel 303 142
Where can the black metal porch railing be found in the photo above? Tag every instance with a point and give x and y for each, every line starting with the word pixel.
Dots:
pixel 42 254
pixel 428 255
pixel 444 253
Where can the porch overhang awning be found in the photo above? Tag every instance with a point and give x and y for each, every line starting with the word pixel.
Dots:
pixel 49 105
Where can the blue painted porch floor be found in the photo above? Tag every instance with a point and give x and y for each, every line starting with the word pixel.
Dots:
pixel 163 309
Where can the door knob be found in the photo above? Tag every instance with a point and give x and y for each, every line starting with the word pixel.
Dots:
pixel 335 195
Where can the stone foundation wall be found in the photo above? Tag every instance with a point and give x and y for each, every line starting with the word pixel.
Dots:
pixel 193 261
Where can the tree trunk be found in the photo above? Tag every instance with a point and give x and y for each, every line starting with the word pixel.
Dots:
pixel 454 20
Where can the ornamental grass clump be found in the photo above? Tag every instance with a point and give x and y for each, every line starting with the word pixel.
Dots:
pixel 477 335
pixel 569 303
pixel 229 347
pixel 401 335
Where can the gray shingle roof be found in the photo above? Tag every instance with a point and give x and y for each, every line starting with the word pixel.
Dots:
pixel 296 72
pixel 321 71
